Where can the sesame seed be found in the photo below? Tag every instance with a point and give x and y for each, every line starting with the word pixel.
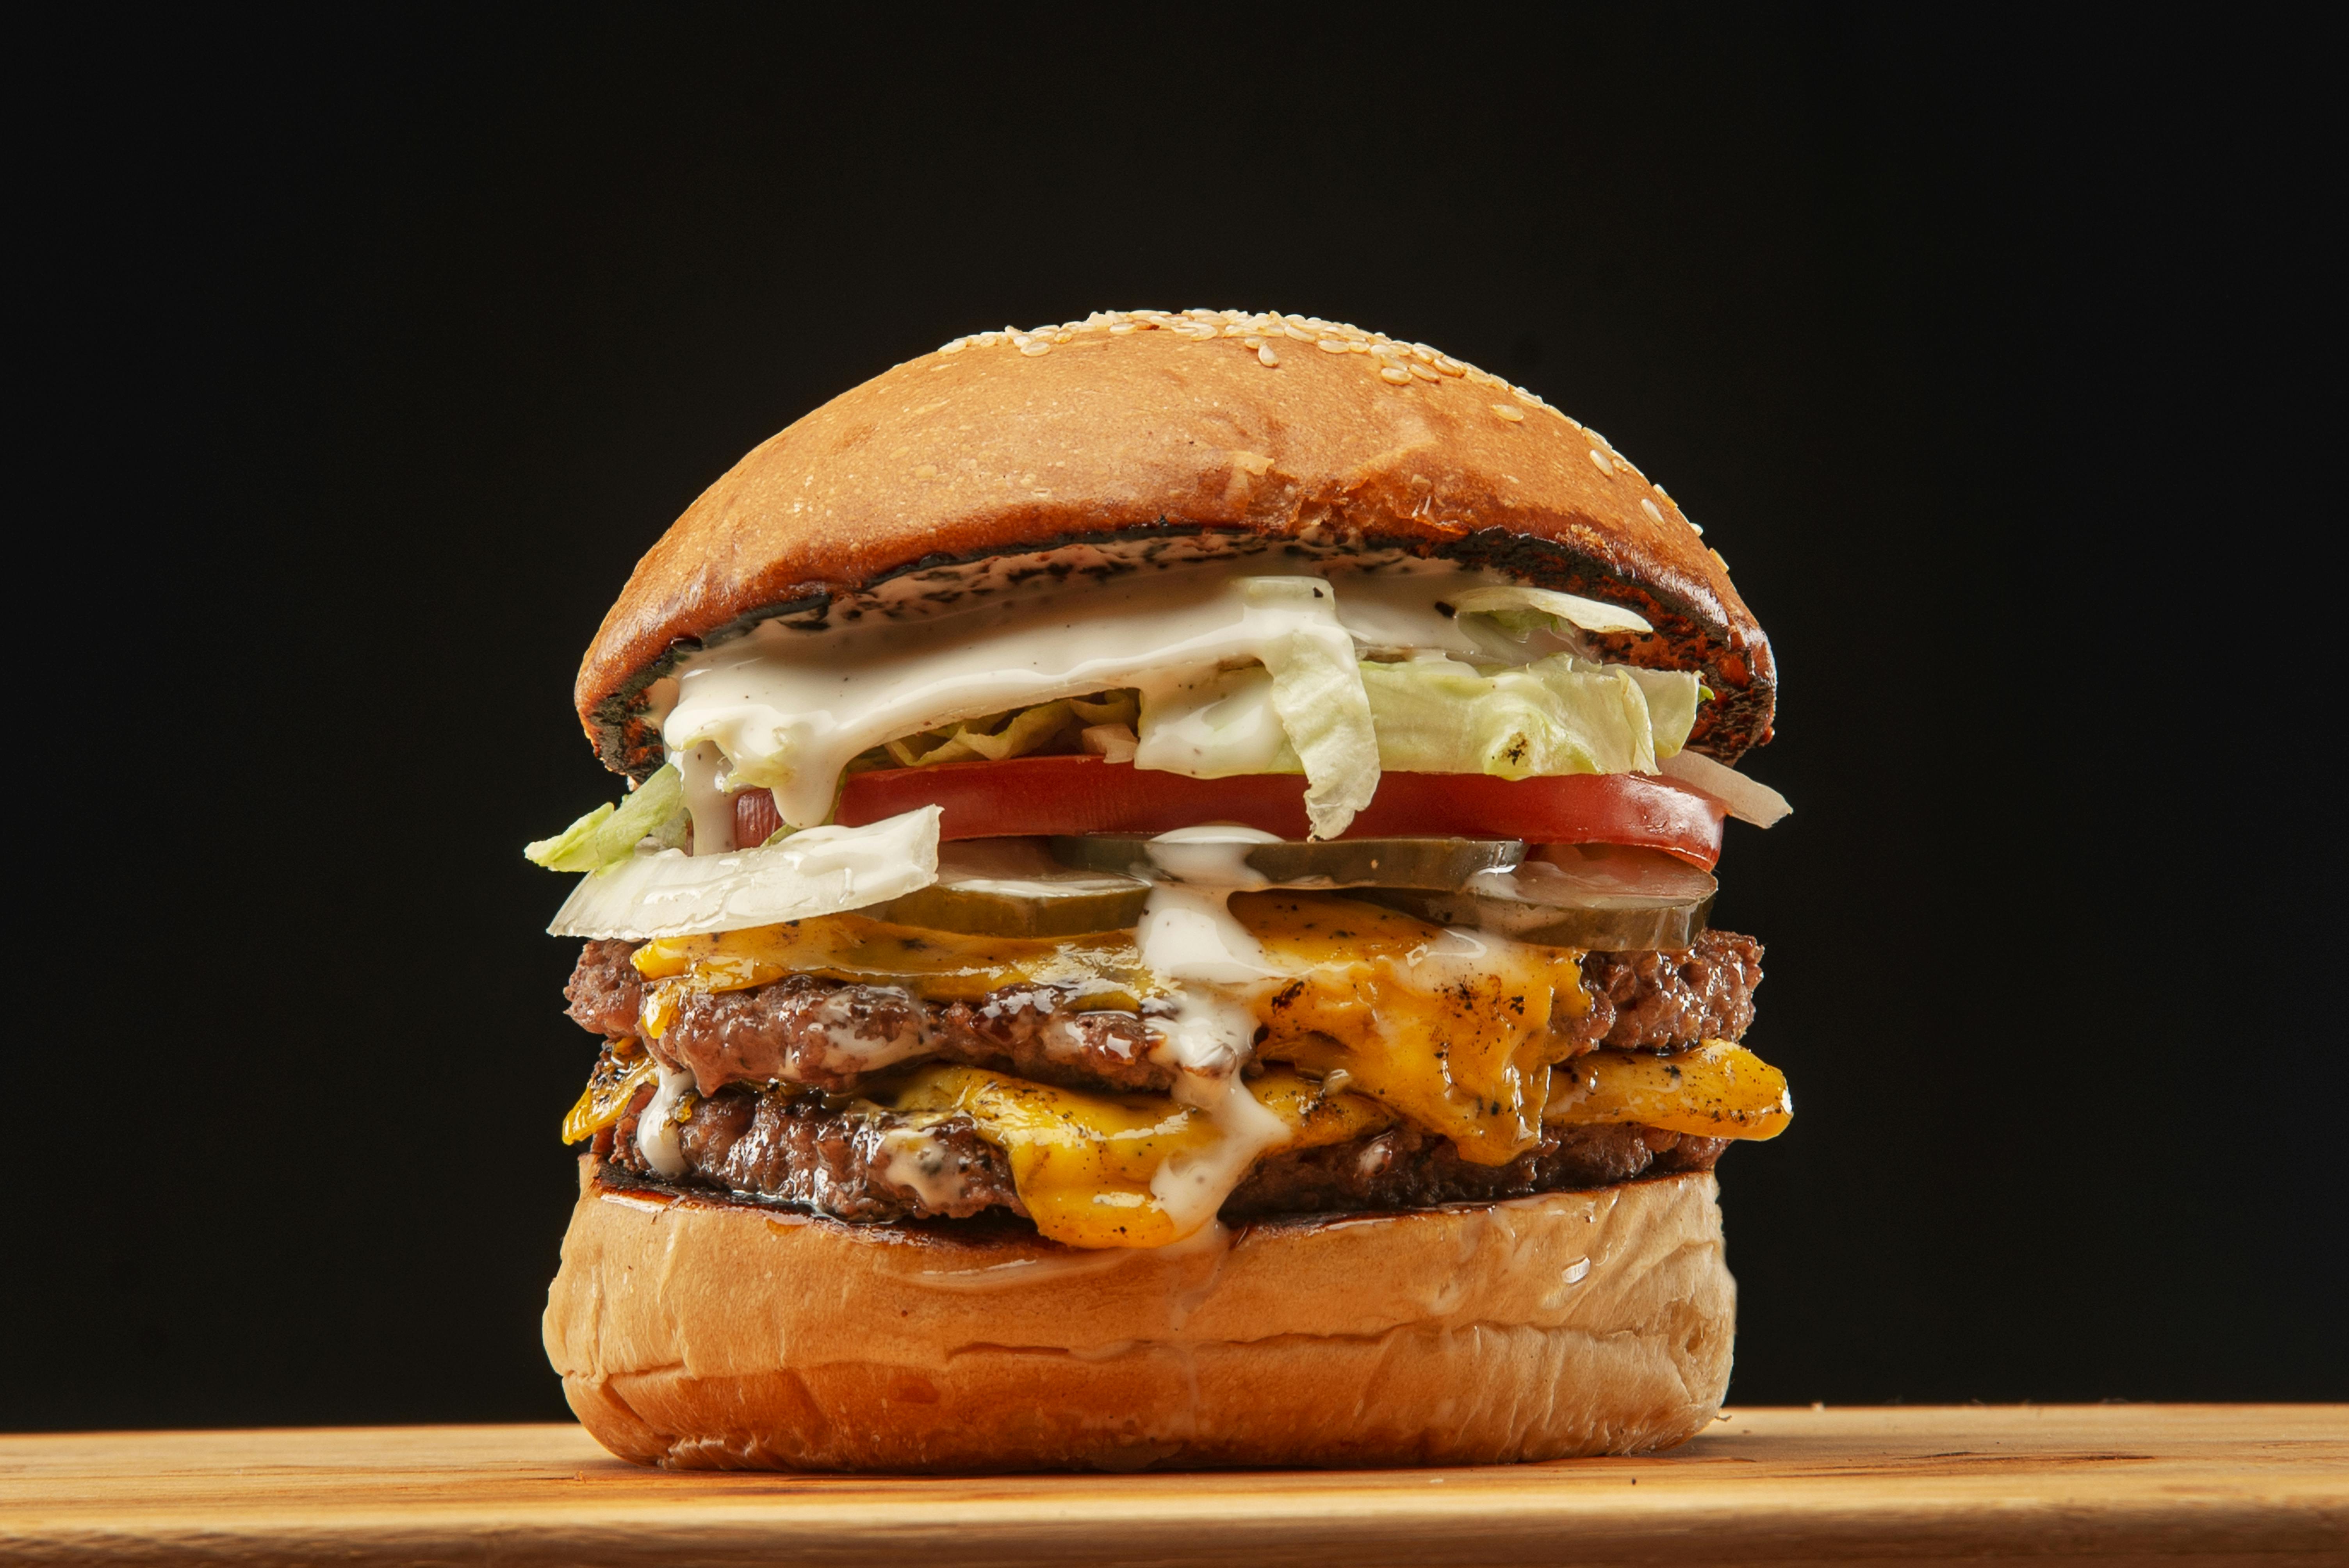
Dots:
pixel 956 346
pixel 1264 355
pixel 1717 561
pixel 1662 491
pixel 1038 347
pixel 1358 346
pixel 1331 345
pixel 1649 508
pixel 927 472
pixel 1425 373
pixel 1298 333
pixel 1514 415
pixel 1119 328
pixel 1598 460
pixel 1396 374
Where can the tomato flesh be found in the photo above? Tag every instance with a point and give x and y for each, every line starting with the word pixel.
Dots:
pixel 1039 795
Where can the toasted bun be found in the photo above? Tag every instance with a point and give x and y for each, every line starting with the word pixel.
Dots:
pixel 1168 437
pixel 708 1336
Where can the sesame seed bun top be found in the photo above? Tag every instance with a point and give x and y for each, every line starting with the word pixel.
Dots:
pixel 1147 434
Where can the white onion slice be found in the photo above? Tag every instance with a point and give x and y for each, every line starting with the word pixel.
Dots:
pixel 1747 800
pixel 821 871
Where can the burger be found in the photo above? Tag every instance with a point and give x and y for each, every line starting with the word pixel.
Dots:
pixel 1160 919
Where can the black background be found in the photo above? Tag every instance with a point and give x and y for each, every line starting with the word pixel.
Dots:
pixel 366 355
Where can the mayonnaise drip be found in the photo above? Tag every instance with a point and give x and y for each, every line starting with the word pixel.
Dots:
pixel 1213 966
pixel 1190 941
pixel 919 1160
pixel 657 1125
pixel 701 767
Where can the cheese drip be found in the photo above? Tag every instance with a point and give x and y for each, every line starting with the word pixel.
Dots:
pixel 610 1087
pixel 1715 1091
pixel 1092 1168
pixel 1104 971
pixel 1449 1028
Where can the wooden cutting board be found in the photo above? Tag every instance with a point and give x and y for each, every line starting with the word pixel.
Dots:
pixel 2139 1484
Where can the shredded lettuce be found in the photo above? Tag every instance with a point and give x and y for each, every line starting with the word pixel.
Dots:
pixel 1673 697
pixel 608 833
pixel 1015 732
pixel 1317 690
pixel 1302 710
pixel 1218 725
pixel 1558 715
pixel 1521 609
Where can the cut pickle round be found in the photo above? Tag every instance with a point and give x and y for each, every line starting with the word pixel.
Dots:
pixel 1430 864
pixel 1604 897
pixel 1011 887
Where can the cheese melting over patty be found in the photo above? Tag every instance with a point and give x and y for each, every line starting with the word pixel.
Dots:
pixel 1448 1029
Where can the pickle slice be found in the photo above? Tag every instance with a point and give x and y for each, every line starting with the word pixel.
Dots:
pixel 1011 887
pixel 1605 897
pixel 1433 864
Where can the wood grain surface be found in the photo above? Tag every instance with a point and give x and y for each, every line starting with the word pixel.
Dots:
pixel 2134 1483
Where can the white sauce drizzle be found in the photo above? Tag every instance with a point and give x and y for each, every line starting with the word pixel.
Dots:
pixel 919 1161
pixel 712 808
pixel 1213 966
pixel 657 1125
pixel 848 1048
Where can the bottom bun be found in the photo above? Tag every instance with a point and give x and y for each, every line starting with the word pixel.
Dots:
pixel 711 1336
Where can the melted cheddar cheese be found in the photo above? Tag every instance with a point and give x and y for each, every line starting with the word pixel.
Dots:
pixel 1381 1017
pixel 610 1087
pixel 1088 1165
pixel 1448 1029
pixel 1098 972
pixel 1715 1091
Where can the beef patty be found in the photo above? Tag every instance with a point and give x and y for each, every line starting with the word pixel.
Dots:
pixel 829 1036
pixel 862 1164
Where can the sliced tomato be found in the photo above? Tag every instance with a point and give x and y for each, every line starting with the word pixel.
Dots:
pixel 1088 795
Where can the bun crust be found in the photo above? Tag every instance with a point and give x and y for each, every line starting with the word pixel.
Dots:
pixel 1132 428
pixel 705 1336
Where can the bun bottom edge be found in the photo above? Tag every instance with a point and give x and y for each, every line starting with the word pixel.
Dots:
pixel 707 1335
